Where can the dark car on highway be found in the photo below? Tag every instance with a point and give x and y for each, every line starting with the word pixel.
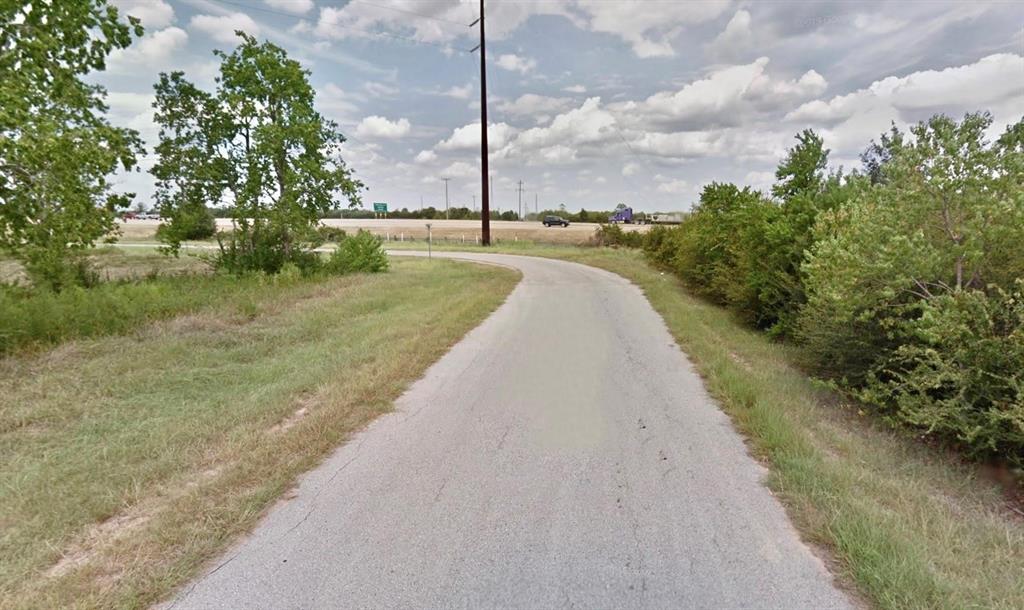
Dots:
pixel 550 221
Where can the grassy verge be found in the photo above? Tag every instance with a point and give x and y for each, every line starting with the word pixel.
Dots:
pixel 909 526
pixel 130 460
pixel 143 289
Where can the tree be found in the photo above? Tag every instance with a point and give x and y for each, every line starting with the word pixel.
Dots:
pixel 803 169
pixel 878 154
pixel 949 217
pixel 259 140
pixel 56 147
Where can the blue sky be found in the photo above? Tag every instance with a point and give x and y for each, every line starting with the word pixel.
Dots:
pixel 593 102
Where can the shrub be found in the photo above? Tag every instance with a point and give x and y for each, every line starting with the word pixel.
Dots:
pixel 330 234
pixel 361 253
pixel 613 235
pixel 266 249
pixel 186 223
pixel 961 376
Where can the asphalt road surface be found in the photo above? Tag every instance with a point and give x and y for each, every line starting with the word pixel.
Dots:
pixel 563 455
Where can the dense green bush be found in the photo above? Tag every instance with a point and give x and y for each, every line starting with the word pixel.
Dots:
pixel 361 253
pixel 328 233
pixel 961 375
pixel 901 282
pixel 266 249
pixel 613 235
pixel 186 223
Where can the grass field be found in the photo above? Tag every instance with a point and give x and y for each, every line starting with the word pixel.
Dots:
pixel 131 459
pixel 907 525
pixel 454 231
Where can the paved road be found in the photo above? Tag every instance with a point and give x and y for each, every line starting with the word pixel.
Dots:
pixel 564 454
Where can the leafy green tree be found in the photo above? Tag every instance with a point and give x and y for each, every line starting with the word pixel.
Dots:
pixel 191 171
pixel 948 217
pixel 270 157
pixel 56 147
pixel 778 240
pixel 878 154
pixel 803 169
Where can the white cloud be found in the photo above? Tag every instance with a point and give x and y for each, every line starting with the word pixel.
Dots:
pixel 154 14
pixel 425 156
pixel 336 103
pixel 467 137
pixel 760 180
pixel 151 53
pixel 222 27
pixel 515 63
pixel 736 37
pixel 672 186
pixel 649 30
pixel 460 169
pixel 588 124
pixel 992 83
pixel 533 105
pixel 134 111
pixel 459 93
pixel 380 89
pixel 298 7
pixel 727 96
pixel 575 89
pixel 380 127
pixel 630 168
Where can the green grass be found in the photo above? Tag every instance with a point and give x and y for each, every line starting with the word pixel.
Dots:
pixel 131 459
pixel 908 526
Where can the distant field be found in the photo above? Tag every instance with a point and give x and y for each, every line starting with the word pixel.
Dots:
pixel 451 230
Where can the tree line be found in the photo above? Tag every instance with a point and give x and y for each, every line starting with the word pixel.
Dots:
pixel 255 146
pixel 902 281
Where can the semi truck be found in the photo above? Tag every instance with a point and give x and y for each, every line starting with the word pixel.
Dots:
pixel 623 215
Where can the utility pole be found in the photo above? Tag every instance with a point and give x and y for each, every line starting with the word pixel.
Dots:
pixel 446 197
pixel 485 212
pixel 535 203
pixel 520 200
pixel 474 203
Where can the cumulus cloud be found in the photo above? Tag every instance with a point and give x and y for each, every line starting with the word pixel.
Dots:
pixel 379 127
pixel 575 89
pixel 460 169
pixel 152 52
pixel 588 124
pixel 425 156
pixel 515 63
pixel 222 27
pixel 735 38
pixel 467 137
pixel 299 7
pixel 727 96
pixel 154 14
pixel 992 83
pixel 650 32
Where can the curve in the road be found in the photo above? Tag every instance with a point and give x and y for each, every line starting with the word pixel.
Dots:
pixel 564 454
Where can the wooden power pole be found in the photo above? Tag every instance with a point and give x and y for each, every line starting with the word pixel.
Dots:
pixel 485 209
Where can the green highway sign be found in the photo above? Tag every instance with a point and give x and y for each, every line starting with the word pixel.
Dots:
pixel 380 207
